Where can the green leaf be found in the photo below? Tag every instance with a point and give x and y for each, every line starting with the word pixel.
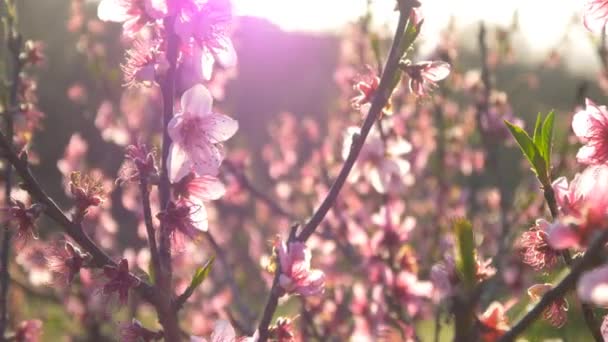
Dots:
pixel 464 252
pixel 547 139
pixel 530 151
pixel 201 273
pixel 537 129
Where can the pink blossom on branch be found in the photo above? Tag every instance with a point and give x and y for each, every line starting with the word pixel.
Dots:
pixel 595 14
pixel 199 189
pixel 65 263
pixel 119 280
pixel 185 221
pixel 134 14
pixel 205 27
pixel 494 322
pixel 197 134
pixel 224 332
pixel 296 275
pixel 556 312
pixel 591 126
pixel 22 219
pixel 535 248
pixel 423 76
pixel 587 203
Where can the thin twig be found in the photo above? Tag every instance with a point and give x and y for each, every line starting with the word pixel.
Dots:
pixel 560 290
pixel 73 229
pixel 381 97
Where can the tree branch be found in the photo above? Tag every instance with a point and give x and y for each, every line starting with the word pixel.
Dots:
pixel 559 291
pixel 381 97
pixel 167 314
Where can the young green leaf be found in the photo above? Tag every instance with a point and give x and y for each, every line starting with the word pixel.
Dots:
pixel 537 129
pixel 464 252
pixel 202 273
pixel 531 152
pixel 547 139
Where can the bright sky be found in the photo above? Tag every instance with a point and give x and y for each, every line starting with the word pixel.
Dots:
pixel 544 22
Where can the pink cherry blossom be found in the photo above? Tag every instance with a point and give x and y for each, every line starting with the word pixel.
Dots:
pixel 207 28
pixel 134 14
pixel 423 76
pixel 593 286
pixel 185 221
pixel 595 15
pixel 143 62
pixel 383 165
pixel 296 275
pixel 197 134
pixel 535 247
pixel 21 219
pixel 199 189
pixel 586 203
pixel 604 328
pixel 591 127
pixel 224 332
pixel 556 312
pixel 119 280
pixel 65 263
pixel 494 321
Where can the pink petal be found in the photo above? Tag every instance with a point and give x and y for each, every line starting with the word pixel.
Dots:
pixel 178 163
pixel 197 100
pixel 198 215
pixel 562 236
pixel 207 61
pixel 174 126
pixel 437 71
pixel 223 332
pixel 113 10
pixel 207 188
pixel 219 127
pixel 586 154
pixel 582 124
pixel 593 286
pixel 157 9
pixel 224 53
pixel 206 159
pixel 560 187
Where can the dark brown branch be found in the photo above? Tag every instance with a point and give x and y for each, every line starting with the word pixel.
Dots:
pixel 166 312
pixel 559 291
pixel 145 198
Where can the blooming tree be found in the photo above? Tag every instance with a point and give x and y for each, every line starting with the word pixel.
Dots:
pixel 397 209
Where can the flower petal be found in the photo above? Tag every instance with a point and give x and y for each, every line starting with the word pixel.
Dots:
pixel 224 52
pixel 178 162
pixel 219 127
pixel 223 332
pixel 197 100
pixel 113 10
